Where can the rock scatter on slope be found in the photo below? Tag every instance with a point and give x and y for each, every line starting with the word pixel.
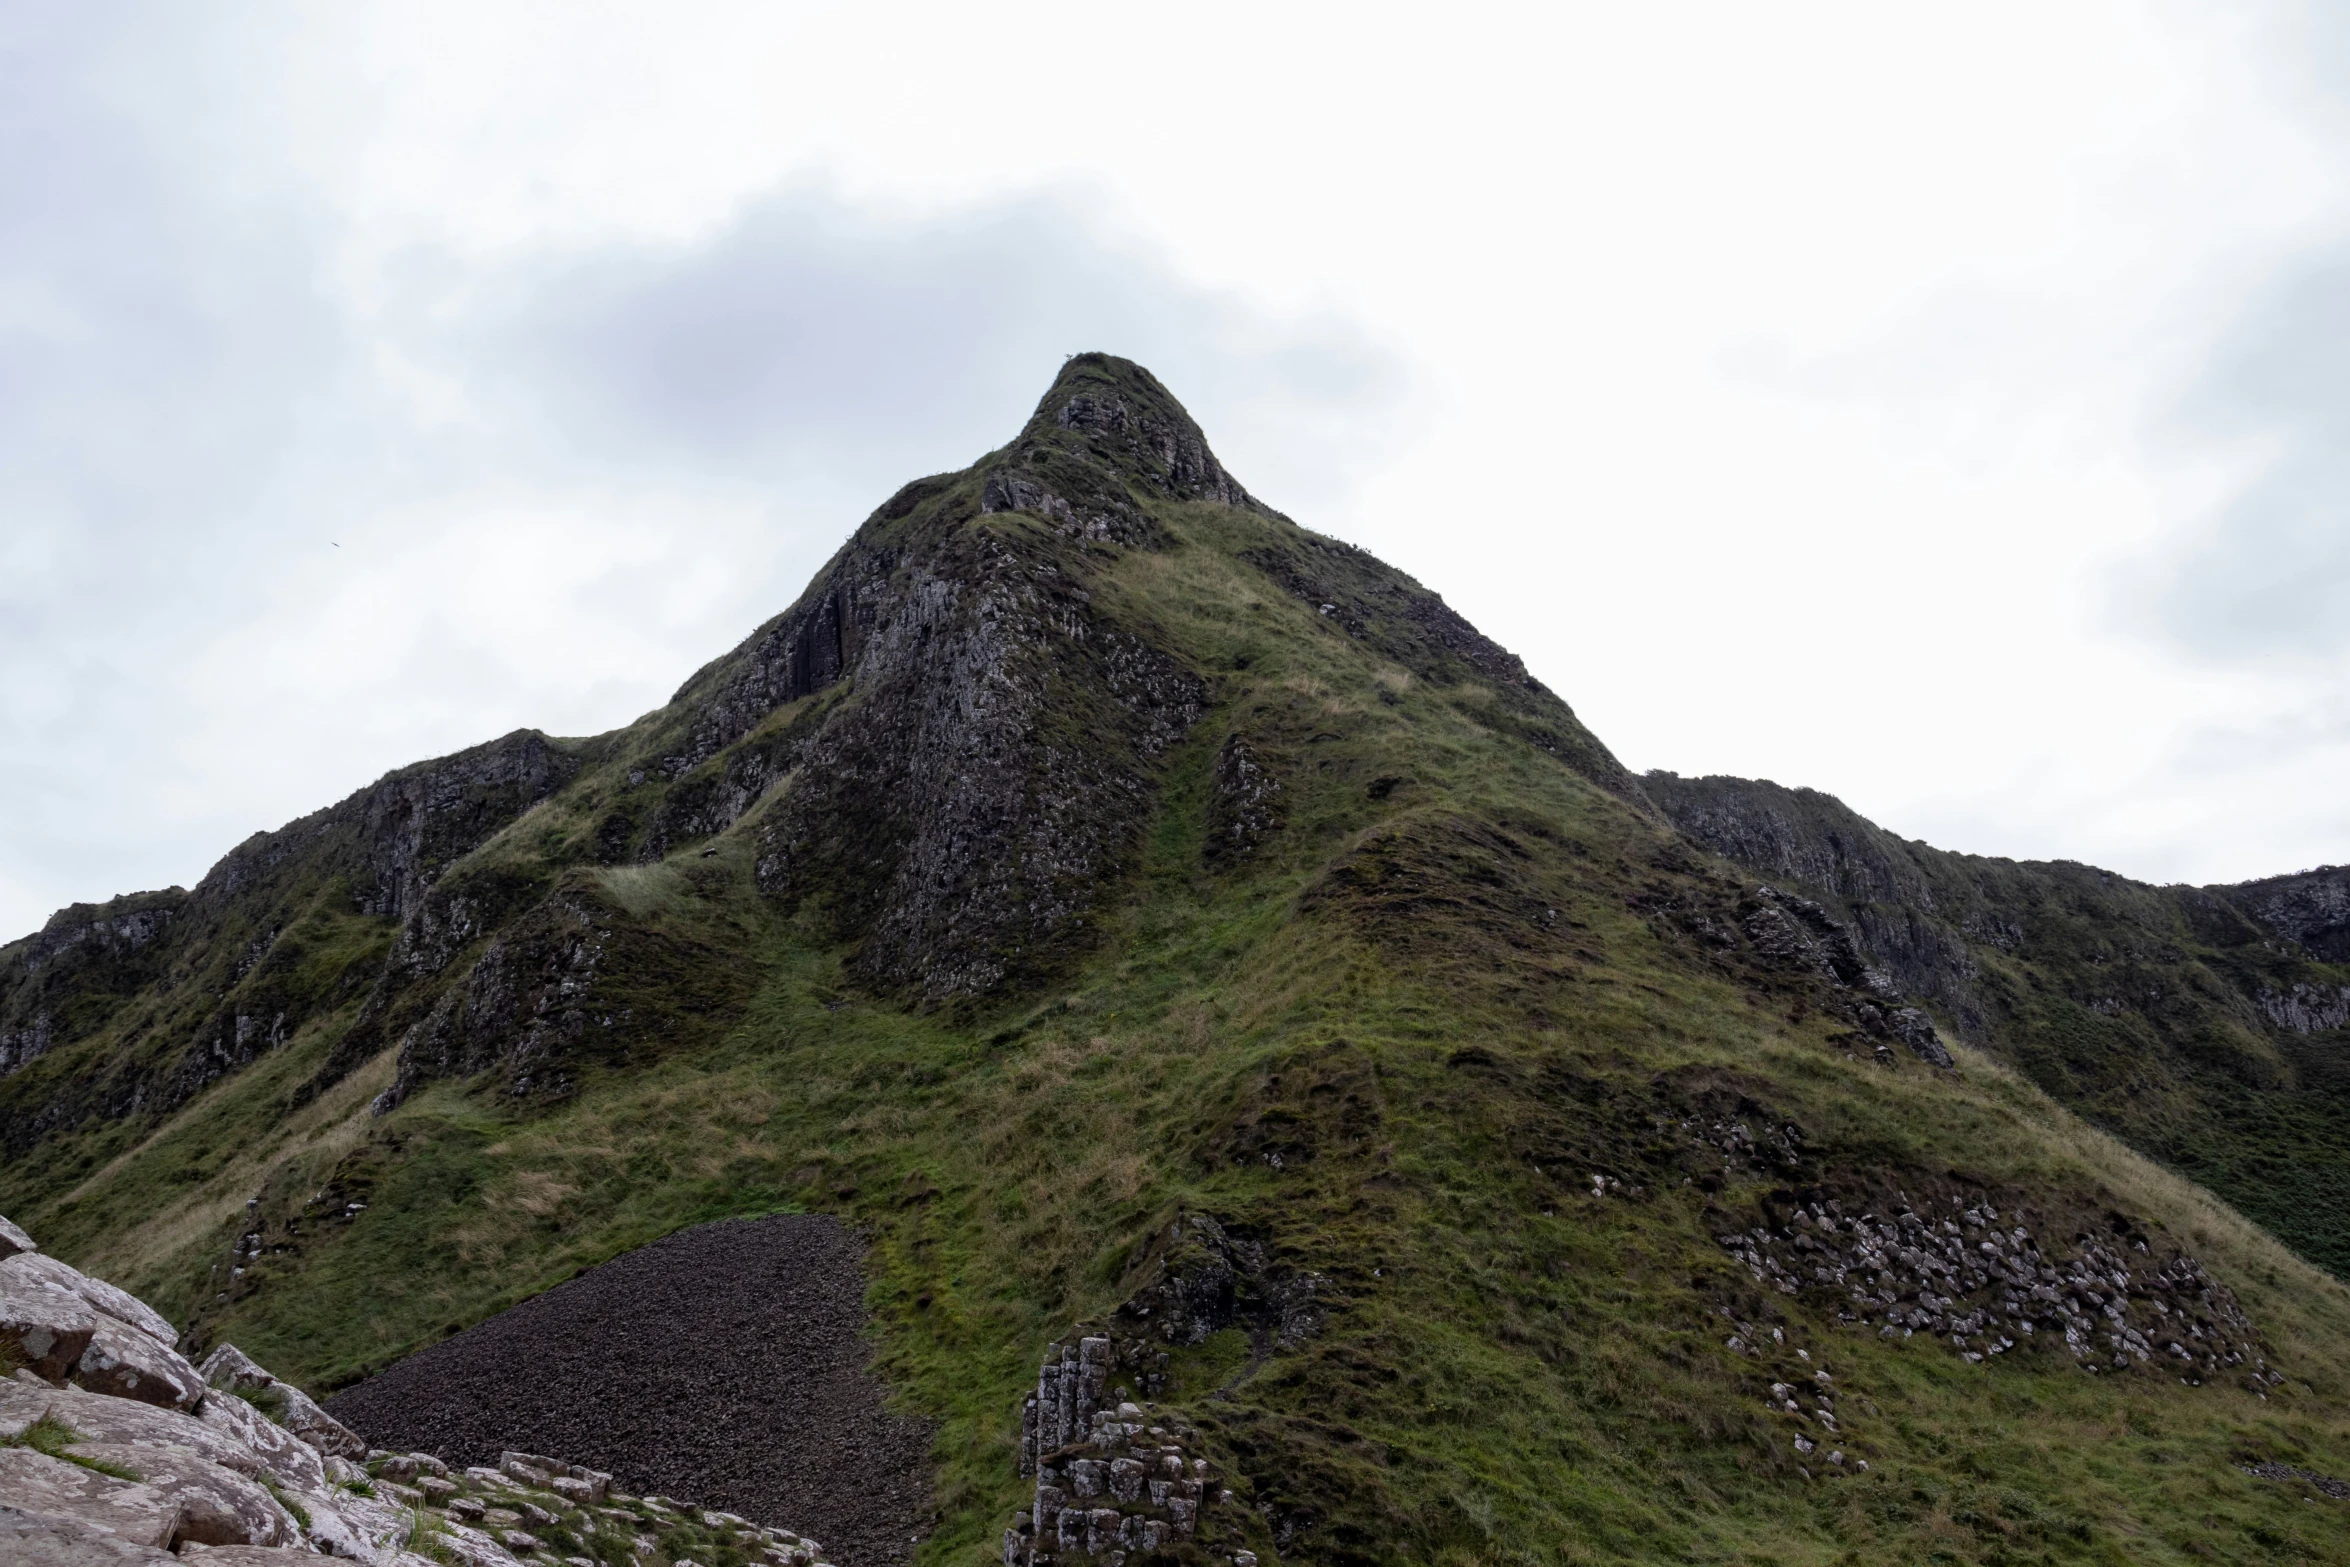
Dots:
pixel 1984 1283
pixel 725 1362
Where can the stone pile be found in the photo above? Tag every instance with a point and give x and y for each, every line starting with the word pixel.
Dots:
pixel 114 1449
pixel 1959 1272
pixel 532 1510
pixel 1114 1478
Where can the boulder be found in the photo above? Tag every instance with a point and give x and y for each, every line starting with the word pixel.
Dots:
pixel 30 1540
pixel 217 1506
pixel 314 1425
pixel 410 1466
pixel 14 1240
pixel 24 1398
pixel 46 1326
pixel 123 1362
pixel 126 1510
pixel 232 1370
pixel 98 1295
pixel 378 1530
pixel 471 1547
pixel 292 1462
pixel 251 1446
pixel 548 1474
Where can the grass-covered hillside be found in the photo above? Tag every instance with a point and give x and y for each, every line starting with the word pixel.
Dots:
pixel 2206 1026
pixel 1093 853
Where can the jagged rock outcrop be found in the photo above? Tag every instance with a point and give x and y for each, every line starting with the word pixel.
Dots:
pixel 1113 1478
pixel 227 961
pixel 1960 1271
pixel 961 815
pixel 1773 938
pixel 2199 1024
pixel 136 1456
pixel 1244 802
pixel 2311 909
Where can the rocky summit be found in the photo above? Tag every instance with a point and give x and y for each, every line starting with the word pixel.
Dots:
pixel 1118 1029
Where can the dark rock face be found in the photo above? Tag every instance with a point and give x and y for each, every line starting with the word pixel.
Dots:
pixel 569 986
pixel 1871 878
pixel 1918 911
pixel 419 819
pixel 1799 933
pixel 2308 1009
pixel 65 980
pixel 1244 802
pixel 962 811
pixel 217 958
pixel 1776 940
pixel 1201 1276
pixel 2202 1025
pixel 1105 430
pixel 2312 908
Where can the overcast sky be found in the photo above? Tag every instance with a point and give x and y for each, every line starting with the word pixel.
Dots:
pixel 1948 408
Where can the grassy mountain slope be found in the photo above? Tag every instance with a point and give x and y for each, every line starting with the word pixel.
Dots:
pixel 1100 887
pixel 2206 1026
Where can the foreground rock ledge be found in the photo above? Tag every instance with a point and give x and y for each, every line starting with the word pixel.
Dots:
pixel 115 1449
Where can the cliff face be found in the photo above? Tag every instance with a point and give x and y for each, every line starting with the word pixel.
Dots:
pixel 149 999
pixel 2203 1025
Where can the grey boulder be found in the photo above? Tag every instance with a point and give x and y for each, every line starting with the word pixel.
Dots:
pixel 123 1362
pixel 232 1370
pixel 14 1240
pixel 290 1461
pixel 46 1326
pixel 257 1450
pixel 127 1510
pixel 217 1506
pixel 97 1294
pixel 33 1540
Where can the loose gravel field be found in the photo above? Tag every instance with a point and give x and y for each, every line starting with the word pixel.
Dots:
pixel 723 1365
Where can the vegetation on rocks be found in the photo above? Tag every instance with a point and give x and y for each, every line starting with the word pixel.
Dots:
pixel 1141 914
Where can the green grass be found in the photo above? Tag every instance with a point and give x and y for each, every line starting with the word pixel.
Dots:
pixel 53 1437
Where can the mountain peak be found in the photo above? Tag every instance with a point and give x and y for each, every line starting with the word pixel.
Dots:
pixel 1107 425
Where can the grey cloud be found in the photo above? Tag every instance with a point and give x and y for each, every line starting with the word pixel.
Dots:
pixel 2270 571
pixel 810 332
pixel 187 404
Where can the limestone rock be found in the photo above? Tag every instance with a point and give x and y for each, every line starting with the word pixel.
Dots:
pixel 47 1326
pixel 126 1363
pixel 575 1483
pixel 13 1240
pixel 232 1370
pixel 216 1506
pixel 34 1540
pixel 48 1487
pixel 471 1548
pixel 290 1461
pixel 128 1422
pixel 380 1530
pixel 97 1294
